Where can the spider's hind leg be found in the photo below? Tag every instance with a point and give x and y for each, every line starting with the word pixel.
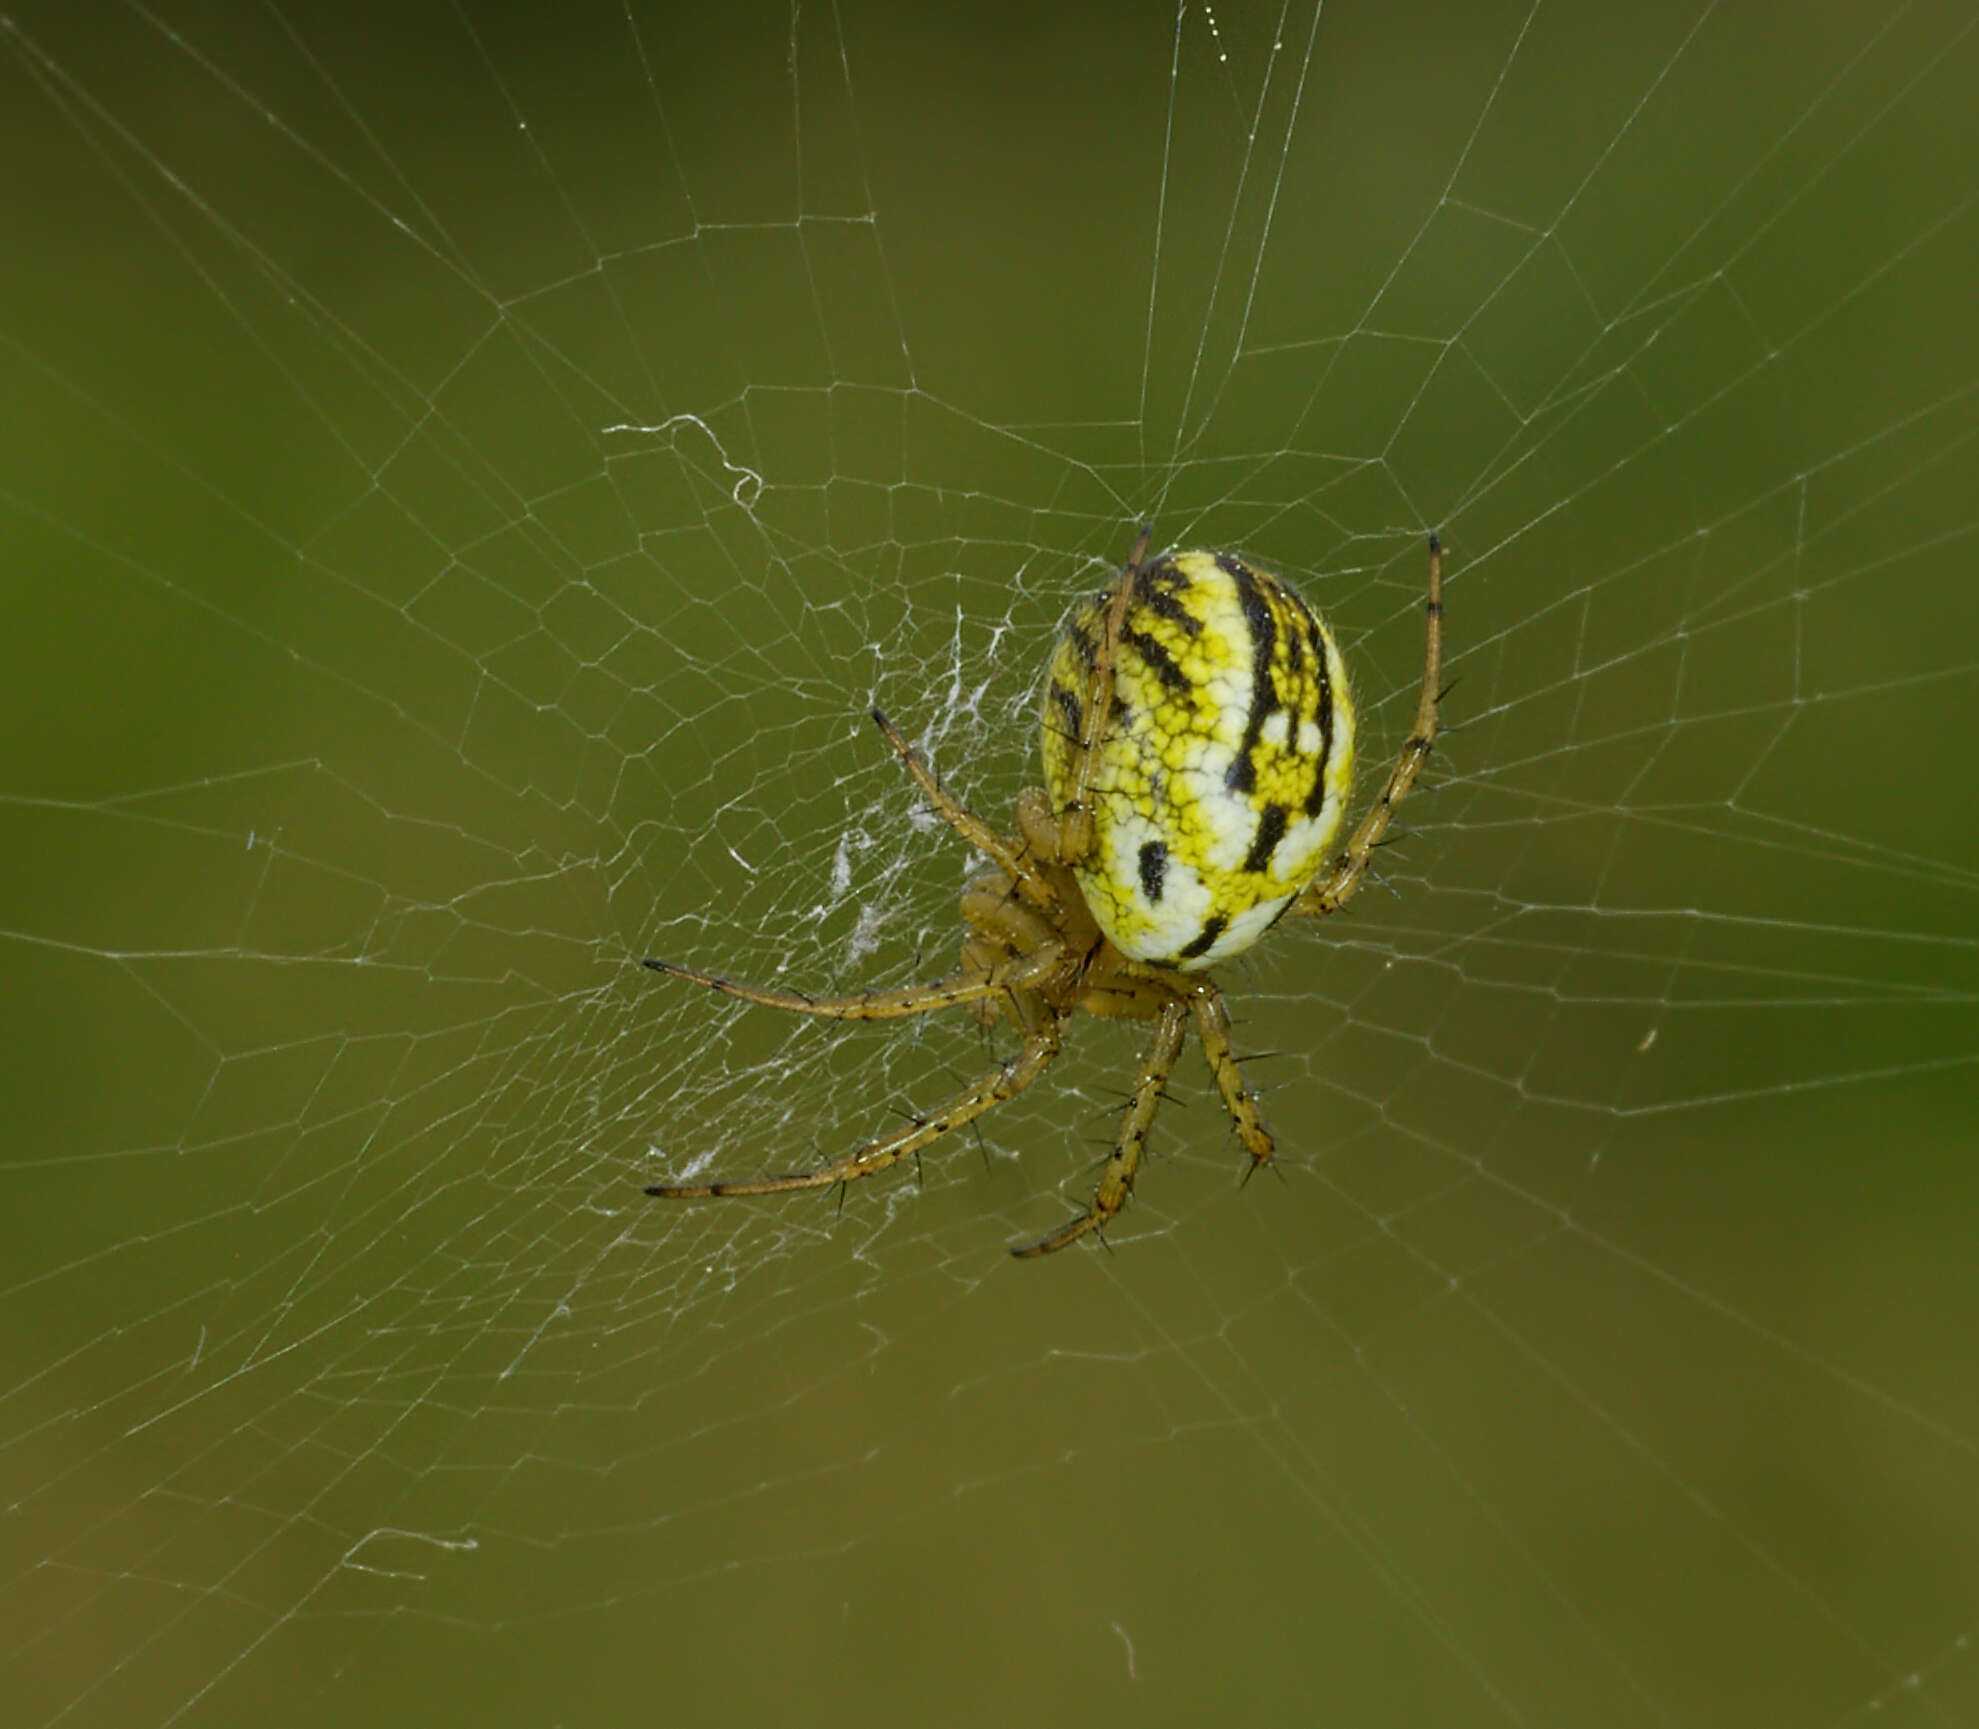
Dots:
pixel 1116 1182
pixel 1213 1026
pixel 1003 1082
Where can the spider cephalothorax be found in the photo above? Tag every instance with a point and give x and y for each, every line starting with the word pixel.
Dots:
pixel 1198 754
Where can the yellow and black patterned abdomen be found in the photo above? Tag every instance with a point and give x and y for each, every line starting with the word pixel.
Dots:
pixel 1228 757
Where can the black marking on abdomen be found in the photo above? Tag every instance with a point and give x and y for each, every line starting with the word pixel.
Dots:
pixel 1316 797
pixel 1067 705
pixel 1154 870
pixel 1322 714
pixel 1270 831
pixel 1157 660
pixel 1157 591
pixel 1205 939
pixel 1241 776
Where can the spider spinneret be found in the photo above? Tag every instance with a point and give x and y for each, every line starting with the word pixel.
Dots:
pixel 1198 750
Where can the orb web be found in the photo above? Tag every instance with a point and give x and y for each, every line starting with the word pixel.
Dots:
pixel 466 487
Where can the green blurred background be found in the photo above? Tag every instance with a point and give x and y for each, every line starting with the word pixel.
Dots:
pixel 465 473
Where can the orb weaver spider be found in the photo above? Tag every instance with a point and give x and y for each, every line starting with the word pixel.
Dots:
pixel 1198 744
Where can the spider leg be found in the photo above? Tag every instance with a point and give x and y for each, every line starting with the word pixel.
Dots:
pixel 1213 1026
pixel 956 988
pixel 1005 854
pixel 1075 821
pixel 1116 1182
pixel 1338 887
pixel 966 986
pixel 1004 1081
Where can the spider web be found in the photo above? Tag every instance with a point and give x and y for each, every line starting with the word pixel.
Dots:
pixel 464 481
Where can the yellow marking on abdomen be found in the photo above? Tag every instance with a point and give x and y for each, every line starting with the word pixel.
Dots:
pixel 1228 757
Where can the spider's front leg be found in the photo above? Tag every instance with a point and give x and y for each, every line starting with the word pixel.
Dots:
pixel 1008 856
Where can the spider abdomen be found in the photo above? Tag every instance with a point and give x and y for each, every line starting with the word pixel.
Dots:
pixel 1222 778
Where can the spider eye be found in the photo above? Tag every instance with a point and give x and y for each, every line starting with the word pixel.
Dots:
pixel 1221 777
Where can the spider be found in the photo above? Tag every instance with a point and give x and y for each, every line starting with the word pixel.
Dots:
pixel 1198 741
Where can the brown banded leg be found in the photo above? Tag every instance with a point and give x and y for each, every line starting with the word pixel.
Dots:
pixel 1075 821
pixel 1116 1182
pixel 1213 1025
pixel 1345 877
pixel 964 986
pixel 957 988
pixel 1004 1081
